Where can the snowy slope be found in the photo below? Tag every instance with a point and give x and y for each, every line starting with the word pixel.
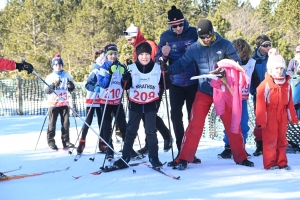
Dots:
pixel 212 179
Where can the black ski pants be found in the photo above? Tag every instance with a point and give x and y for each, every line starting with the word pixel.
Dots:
pixel 160 126
pixel 63 111
pixel 107 121
pixel 89 118
pixel 178 96
pixel 132 131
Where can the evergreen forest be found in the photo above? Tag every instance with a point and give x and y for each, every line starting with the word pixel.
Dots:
pixel 36 30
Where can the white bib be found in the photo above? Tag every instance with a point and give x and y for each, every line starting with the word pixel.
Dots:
pixel 145 87
pixel 249 68
pixel 112 94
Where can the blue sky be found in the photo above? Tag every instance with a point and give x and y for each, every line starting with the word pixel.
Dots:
pixel 253 2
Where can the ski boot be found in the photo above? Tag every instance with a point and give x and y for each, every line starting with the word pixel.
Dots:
pixel 226 154
pixel 259 149
pixel 246 162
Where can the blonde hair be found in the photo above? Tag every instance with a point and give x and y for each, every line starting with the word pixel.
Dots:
pixel 243 48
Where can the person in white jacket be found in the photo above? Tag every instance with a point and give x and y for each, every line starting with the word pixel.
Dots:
pixel 60 82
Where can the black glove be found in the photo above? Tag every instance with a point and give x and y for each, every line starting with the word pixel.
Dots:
pixel 129 62
pixel 71 86
pixel 126 76
pixel 55 84
pixel 24 66
pixel 163 66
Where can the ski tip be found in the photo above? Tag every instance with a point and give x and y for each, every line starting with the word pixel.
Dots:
pixel 76 177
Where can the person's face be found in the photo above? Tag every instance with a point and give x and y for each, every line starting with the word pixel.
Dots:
pixel 131 40
pixel 57 67
pixel 144 58
pixel 112 56
pixel 206 38
pixel 178 28
pixel 277 71
pixel 298 54
pixel 265 47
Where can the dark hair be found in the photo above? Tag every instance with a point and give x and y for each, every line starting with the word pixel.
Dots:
pixel 97 53
pixel 261 39
pixel 243 48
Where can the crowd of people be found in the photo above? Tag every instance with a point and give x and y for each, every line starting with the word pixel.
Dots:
pixel 199 68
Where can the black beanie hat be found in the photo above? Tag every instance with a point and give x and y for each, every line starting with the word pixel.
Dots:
pixel 110 47
pixel 143 47
pixel 175 16
pixel 204 27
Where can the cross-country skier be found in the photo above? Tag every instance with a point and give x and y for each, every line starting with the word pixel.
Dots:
pixel 134 37
pixel 110 94
pixel 144 82
pixel 60 82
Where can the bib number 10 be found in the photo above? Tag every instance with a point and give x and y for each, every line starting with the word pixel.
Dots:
pixel 143 96
pixel 115 93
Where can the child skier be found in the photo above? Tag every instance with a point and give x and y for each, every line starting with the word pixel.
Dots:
pixel 274 108
pixel 110 94
pixel 145 83
pixel 60 82
pixel 92 102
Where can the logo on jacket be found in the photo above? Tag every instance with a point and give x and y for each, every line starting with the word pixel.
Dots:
pixel 219 52
pixel 174 47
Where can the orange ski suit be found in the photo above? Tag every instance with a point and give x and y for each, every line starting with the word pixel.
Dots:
pixel 274 108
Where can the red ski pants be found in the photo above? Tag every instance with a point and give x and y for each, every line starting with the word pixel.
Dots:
pixel 274 138
pixel 194 130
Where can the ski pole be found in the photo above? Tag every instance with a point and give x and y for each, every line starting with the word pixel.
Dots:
pixel 167 105
pixel 94 97
pixel 93 130
pixel 106 100
pixel 116 117
pixel 41 129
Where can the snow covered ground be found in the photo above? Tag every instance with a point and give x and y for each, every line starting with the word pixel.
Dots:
pixel 212 179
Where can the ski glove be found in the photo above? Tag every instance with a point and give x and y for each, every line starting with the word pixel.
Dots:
pixel 24 66
pixel 126 76
pixel 56 84
pixel 122 68
pixel 71 86
pixel 113 68
pixel 163 66
pixel 128 60
pixel 97 89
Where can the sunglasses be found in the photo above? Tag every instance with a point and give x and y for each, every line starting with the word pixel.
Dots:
pixel 266 45
pixel 175 26
pixel 204 36
pixel 112 53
